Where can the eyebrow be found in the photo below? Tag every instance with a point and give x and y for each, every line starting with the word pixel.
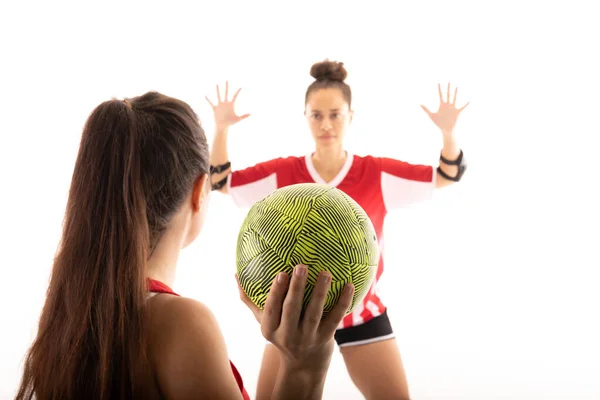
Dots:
pixel 333 109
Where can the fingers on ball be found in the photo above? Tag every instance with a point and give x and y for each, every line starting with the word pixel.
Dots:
pixel 339 311
pixel 314 311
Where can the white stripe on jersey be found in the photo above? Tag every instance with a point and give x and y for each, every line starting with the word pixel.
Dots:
pixel 247 194
pixel 367 341
pixel 373 308
pixel 356 315
pixel 400 192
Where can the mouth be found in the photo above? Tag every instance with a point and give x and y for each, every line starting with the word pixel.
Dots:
pixel 326 137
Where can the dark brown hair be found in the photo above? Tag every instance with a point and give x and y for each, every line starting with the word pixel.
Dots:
pixel 138 160
pixel 329 74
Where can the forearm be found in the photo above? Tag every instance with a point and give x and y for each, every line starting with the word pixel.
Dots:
pixel 294 384
pixel 219 156
pixel 450 151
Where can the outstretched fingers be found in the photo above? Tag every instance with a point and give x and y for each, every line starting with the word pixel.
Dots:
pixel 453 102
pixel 235 95
pixel 426 110
pixel 209 102
pixel 218 94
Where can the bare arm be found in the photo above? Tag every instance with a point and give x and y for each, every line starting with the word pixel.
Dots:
pixel 445 119
pixel 225 117
pixel 299 384
pixel 219 156
pixel 450 151
pixel 191 360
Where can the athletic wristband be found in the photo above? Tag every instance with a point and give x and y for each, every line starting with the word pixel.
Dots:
pixel 220 168
pixel 220 184
pixel 457 178
pixel 458 161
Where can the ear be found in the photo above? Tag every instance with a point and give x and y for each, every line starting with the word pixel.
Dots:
pixel 199 192
pixel 350 116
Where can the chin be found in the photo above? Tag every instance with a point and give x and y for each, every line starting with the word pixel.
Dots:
pixel 328 142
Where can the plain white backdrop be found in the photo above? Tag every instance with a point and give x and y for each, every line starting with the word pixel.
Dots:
pixel 491 287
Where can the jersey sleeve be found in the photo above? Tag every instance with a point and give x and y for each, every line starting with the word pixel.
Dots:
pixel 247 186
pixel 403 184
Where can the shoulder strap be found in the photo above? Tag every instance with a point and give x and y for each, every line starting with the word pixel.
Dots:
pixel 155 286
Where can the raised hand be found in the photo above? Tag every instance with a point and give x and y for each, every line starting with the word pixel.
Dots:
pixel 447 114
pixel 225 115
pixel 304 338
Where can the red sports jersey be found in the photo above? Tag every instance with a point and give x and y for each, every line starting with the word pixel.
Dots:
pixel 378 184
pixel 159 287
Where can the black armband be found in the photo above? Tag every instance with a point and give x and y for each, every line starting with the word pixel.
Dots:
pixel 220 184
pixel 220 168
pixel 459 162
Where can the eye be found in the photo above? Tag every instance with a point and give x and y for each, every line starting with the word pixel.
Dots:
pixel 316 116
pixel 336 115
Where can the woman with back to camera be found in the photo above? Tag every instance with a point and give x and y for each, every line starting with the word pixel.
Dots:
pixel 111 327
pixel 378 184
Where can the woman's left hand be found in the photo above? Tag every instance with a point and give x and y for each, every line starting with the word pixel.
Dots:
pixel 447 114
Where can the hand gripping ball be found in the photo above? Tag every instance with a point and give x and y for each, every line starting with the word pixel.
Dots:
pixel 311 224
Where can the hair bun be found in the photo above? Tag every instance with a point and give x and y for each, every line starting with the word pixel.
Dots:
pixel 329 71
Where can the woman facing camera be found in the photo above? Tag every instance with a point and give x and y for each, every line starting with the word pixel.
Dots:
pixel 379 184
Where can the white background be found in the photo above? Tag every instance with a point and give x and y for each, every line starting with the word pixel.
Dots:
pixel 491 287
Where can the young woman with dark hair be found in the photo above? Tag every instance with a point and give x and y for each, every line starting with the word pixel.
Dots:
pixel 111 326
pixel 379 184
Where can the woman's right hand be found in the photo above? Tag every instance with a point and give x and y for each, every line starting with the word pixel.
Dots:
pixel 225 115
pixel 305 340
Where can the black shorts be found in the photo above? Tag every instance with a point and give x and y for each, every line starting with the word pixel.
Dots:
pixel 374 330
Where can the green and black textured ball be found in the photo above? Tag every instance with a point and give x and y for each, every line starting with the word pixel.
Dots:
pixel 312 224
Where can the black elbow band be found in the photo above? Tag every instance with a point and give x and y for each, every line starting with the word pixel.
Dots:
pixel 220 184
pixel 217 169
pixel 459 162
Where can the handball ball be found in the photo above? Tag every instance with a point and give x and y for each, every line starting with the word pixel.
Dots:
pixel 311 224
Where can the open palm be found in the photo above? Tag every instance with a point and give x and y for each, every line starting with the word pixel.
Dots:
pixel 225 115
pixel 447 114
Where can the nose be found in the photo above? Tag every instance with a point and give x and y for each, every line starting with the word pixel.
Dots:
pixel 326 124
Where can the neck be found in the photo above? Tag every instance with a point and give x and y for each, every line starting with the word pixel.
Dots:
pixel 329 159
pixel 163 262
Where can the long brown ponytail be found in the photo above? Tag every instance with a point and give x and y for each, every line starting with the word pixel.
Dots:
pixel 137 161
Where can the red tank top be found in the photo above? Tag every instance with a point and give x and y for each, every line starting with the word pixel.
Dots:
pixel 159 287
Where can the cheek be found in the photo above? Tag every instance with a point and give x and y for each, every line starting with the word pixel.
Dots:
pixel 342 125
pixel 196 225
pixel 314 127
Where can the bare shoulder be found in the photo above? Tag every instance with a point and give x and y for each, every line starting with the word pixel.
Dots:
pixel 167 310
pixel 188 351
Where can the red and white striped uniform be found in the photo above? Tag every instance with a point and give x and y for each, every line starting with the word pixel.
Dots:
pixel 378 184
